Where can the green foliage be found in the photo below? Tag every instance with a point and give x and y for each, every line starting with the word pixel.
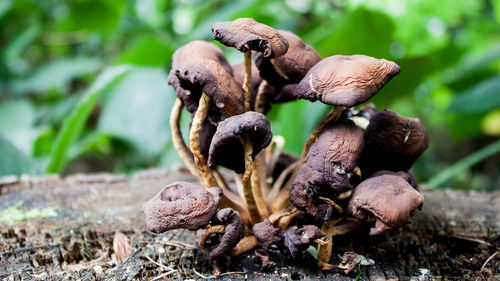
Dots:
pixel 66 98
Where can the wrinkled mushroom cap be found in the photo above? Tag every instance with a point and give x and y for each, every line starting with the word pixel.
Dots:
pixel 298 240
pixel 330 159
pixel 391 199
pixel 233 233
pixel 346 80
pixel 197 49
pixel 407 176
pixel 226 148
pixel 266 233
pixel 291 67
pixel 392 142
pixel 210 77
pixel 246 34
pixel 181 205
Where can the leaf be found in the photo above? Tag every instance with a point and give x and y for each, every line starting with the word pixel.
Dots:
pixel 5 6
pixel 147 50
pixel 14 161
pixel 478 99
pixel 12 53
pixel 93 15
pixel 55 74
pixel 18 124
pixel 137 110
pixel 73 125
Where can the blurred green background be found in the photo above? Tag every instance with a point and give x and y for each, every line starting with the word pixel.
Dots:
pixel 83 82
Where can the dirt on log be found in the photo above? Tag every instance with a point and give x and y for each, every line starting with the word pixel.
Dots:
pixel 450 239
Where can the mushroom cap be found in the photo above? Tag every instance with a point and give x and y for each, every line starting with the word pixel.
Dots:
pixel 391 199
pixel 325 173
pixel 226 148
pixel 181 205
pixel 197 49
pixel 233 232
pixel 407 176
pixel 239 76
pixel 346 80
pixel 291 67
pixel 246 34
pixel 208 76
pixel 392 142
pixel 267 234
pixel 298 240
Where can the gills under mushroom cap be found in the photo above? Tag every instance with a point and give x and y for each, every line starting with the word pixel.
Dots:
pixel 346 80
pixel 181 205
pixel 226 148
pixel 330 159
pixel 210 77
pixel 391 199
pixel 291 67
pixel 197 49
pixel 246 34
pixel 392 142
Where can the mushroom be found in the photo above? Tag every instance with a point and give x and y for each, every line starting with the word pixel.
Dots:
pixel 242 135
pixel 228 223
pixel 389 198
pixel 185 98
pixel 297 240
pixel 267 234
pixel 181 205
pixel 325 174
pixel 392 142
pixel 407 176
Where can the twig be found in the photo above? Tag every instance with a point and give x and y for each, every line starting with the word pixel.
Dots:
pixel 165 274
pixel 486 263
pixel 213 276
pixel 179 244
pixel 158 264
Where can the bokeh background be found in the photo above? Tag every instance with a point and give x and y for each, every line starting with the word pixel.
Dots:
pixel 83 83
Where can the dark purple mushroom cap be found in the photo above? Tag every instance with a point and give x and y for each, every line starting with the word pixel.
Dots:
pixel 407 176
pixel 197 49
pixel 226 148
pixel 330 159
pixel 298 240
pixel 291 67
pixel 392 142
pixel 181 205
pixel 210 77
pixel 246 34
pixel 346 80
pixel 267 234
pixel 206 134
pixel 391 199
pixel 233 233
pixel 284 95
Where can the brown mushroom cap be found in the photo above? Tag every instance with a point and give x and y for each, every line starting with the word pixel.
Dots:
pixel 246 34
pixel 233 233
pixel 267 234
pixel 298 240
pixel 181 205
pixel 391 199
pixel 291 67
pixel 226 148
pixel 346 80
pixel 208 76
pixel 197 49
pixel 392 142
pixel 407 176
pixel 330 159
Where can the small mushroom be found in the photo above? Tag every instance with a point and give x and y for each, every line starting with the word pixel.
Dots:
pixel 267 234
pixel 325 174
pixel 297 240
pixel 346 80
pixel 292 66
pixel 181 205
pixel 236 142
pixel 245 34
pixel 232 234
pixel 392 142
pixel 389 198
pixel 407 176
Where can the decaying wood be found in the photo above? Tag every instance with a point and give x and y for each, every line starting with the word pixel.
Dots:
pixel 451 238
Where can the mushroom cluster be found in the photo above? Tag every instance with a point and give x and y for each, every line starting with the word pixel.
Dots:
pixel 354 171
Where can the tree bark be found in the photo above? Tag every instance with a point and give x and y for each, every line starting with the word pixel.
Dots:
pixel 451 238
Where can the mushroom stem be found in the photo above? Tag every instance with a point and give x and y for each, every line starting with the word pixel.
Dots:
pixel 211 230
pixel 325 250
pixel 208 177
pixel 179 144
pixel 260 100
pixel 246 244
pixel 247 82
pixel 285 219
pixel 255 216
pixel 257 186
pixel 278 184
